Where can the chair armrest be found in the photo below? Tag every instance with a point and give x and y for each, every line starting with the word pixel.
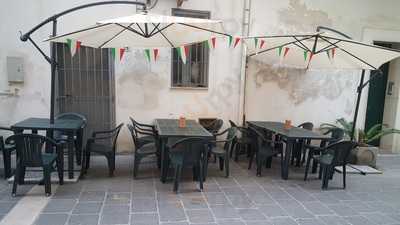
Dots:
pixel 95 133
pixel 7 129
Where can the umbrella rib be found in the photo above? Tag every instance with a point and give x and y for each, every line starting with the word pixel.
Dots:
pixel 277 36
pixel 116 35
pixel 289 43
pixel 154 29
pixel 327 47
pixel 205 29
pixel 349 53
pixel 78 31
pixel 144 34
pixel 302 44
pixel 159 30
pixel 130 29
pixel 360 43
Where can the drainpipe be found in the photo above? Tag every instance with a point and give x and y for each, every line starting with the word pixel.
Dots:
pixel 242 82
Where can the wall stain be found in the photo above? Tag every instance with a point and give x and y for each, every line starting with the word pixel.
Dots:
pixel 301 85
pixel 299 18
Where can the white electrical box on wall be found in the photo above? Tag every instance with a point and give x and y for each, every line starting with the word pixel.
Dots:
pixel 15 69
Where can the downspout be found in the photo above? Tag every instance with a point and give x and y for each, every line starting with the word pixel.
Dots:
pixel 242 82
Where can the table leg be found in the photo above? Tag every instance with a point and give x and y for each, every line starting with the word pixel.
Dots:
pixel 78 147
pixel 288 151
pixel 164 170
pixel 70 155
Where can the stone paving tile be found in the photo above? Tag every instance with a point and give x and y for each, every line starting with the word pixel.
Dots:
pixel 251 214
pixel 59 205
pixel 224 211
pixel 231 222
pixel 118 198
pixel 5 207
pixel 272 210
pixel 87 208
pixel 144 205
pixel 83 220
pixel 216 198
pixel 342 210
pixel 51 219
pixel 333 220
pixel 171 212
pixel 265 222
pixel 91 196
pixel 380 219
pixel 115 214
pixel 144 219
pixel 295 209
pixel 283 221
pixel 200 216
pixel 358 220
pixel 317 208
pixel 194 202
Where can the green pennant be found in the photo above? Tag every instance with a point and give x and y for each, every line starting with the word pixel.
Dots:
pixel 256 42
pixel 329 55
pixel 113 53
pixel 69 43
pixel 305 55
pixel 230 40
pixel 147 53
pixel 280 50
pixel 207 44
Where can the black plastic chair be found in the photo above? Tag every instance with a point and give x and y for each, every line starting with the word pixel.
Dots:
pixel 337 134
pixel 142 149
pixel 78 139
pixel 332 156
pixel 263 150
pixel 107 148
pixel 148 133
pixel 223 153
pixel 189 152
pixel 299 151
pixel 242 144
pixel 215 126
pixel 7 150
pixel 30 149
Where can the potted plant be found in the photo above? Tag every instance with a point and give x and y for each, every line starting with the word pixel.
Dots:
pixel 364 154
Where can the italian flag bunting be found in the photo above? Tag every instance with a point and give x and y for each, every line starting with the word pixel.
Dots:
pixel 305 54
pixel 113 53
pixel 183 53
pixel 262 43
pixel 121 53
pixel 331 53
pixel 155 54
pixel 285 52
pixel 151 54
pixel 256 42
pixel 73 46
pixel 237 40
pixel 280 50
pixel 147 54
pixel 230 39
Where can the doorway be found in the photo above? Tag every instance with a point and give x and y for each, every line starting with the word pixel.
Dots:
pixel 86 85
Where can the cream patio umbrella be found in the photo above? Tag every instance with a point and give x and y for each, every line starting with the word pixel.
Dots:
pixel 321 50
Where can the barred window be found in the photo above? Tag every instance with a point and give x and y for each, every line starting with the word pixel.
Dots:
pixel 194 73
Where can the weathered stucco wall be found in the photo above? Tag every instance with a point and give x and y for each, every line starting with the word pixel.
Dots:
pixel 143 89
pixel 316 96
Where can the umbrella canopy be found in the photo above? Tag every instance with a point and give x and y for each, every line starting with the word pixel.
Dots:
pixel 145 30
pixel 318 51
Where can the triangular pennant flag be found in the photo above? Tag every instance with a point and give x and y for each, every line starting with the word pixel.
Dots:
pixel 155 53
pixel 237 40
pixel 305 55
pixel 121 53
pixel 280 50
pixel 147 54
pixel 255 42
pixel 207 44
pixel 286 51
pixel 262 43
pixel 213 42
pixel 113 53
pixel 78 45
pixel 72 45
pixel 333 52
pixel 230 39
pixel 183 51
pixel 311 56
pixel 329 55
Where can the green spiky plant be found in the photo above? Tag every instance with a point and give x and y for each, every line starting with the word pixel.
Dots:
pixel 365 137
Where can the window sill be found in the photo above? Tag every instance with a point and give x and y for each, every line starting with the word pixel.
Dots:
pixel 189 88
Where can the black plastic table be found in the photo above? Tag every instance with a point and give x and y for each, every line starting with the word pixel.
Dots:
pixel 69 127
pixel 168 128
pixel 290 135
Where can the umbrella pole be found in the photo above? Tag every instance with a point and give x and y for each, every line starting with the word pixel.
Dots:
pixel 53 73
pixel 359 91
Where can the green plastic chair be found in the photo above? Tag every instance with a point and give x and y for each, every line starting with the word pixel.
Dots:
pixel 189 152
pixel 30 149
pixel 7 150
pixel 223 153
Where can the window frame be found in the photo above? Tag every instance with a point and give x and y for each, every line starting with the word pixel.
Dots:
pixel 204 74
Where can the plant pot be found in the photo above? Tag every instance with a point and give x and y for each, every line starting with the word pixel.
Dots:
pixel 364 155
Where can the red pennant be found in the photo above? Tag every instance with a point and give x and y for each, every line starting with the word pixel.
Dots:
pixel 237 40
pixel 121 53
pixel 286 52
pixel 155 51
pixel 213 40
pixel 333 52
pixel 78 45
pixel 311 56
pixel 186 50
pixel 262 43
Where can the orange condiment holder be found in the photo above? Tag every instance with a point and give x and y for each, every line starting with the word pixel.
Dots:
pixel 288 124
pixel 182 122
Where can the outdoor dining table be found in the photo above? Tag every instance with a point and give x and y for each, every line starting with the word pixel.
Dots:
pixel 69 127
pixel 168 129
pixel 290 135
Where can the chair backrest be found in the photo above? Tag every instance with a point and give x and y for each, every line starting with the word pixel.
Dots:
pixel 307 125
pixel 337 134
pixel 233 124
pixel 145 129
pixel 134 135
pixel 216 126
pixel 259 140
pixel 229 138
pixel 72 116
pixel 115 133
pixel 8 130
pixel 192 149
pixel 340 152
pixel 29 148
